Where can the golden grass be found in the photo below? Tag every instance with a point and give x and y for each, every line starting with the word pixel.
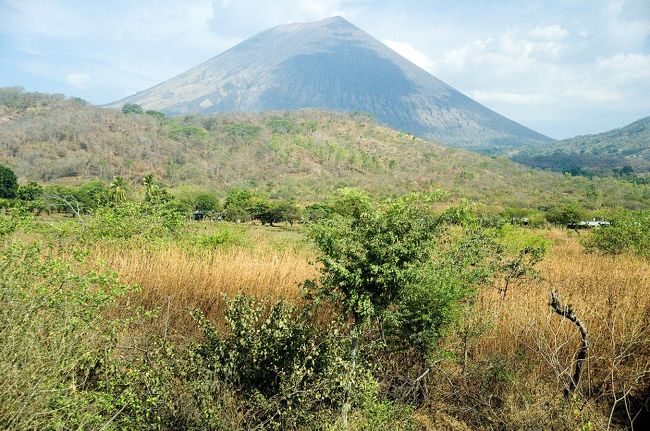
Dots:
pixel 611 294
pixel 177 281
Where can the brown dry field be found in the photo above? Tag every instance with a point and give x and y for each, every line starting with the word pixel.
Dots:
pixel 611 294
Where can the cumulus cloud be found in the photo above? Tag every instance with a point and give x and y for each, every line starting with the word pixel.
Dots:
pixel 407 51
pixel 594 95
pixel 531 99
pixel 78 80
pixel 626 67
pixel 549 32
pixel 237 17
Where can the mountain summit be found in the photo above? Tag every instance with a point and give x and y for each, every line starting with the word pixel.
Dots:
pixel 332 64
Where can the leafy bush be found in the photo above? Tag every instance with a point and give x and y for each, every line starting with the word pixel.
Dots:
pixel 30 191
pixel 8 183
pixel 129 220
pixel 225 237
pixel 156 114
pixel 242 130
pixel 286 368
pixel 206 202
pixel 52 336
pixel 368 251
pixel 567 214
pixel 188 131
pixel 629 232
pixel 131 108
pixel 433 299
pixel 11 220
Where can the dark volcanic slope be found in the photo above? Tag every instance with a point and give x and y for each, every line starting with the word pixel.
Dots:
pixel 332 64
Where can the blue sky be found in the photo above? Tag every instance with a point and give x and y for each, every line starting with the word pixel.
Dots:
pixel 562 67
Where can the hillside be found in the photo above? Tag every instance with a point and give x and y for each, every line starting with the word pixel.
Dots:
pixel 303 154
pixel 621 151
pixel 334 65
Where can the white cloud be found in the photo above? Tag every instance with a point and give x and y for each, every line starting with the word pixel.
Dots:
pixel 594 95
pixel 407 51
pixel 549 32
pixel 531 99
pixel 626 67
pixel 237 17
pixel 78 80
pixel 514 44
pixel 474 52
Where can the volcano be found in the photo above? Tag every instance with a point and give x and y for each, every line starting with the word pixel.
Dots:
pixel 334 65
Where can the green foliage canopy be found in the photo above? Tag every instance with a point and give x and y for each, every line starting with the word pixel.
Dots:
pixel 369 252
pixel 8 183
pixel 132 108
pixel 629 232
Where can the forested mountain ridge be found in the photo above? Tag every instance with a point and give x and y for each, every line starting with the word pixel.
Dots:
pixel 622 151
pixel 334 65
pixel 303 154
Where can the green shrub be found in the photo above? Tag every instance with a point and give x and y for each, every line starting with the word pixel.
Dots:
pixel 131 108
pixel 368 251
pixel 629 232
pixel 52 334
pixel 206 202
pixel 567 214
pixel 433 299
pixel 8 183
pixel 129 220
pixel 225 237
pixel 188 131
pixel 242 130
pixel 156 114
pixel 287 370
pixel 30 191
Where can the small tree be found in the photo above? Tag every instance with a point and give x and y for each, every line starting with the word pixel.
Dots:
pixel 287 211
pixel 567 214
pixel 262 209
pixel 132 108
pixel 93 194
pixel 30 191
pixel 118 190
pixel 369 251
pixel 8 183
pixel 206 202
pixel 237 204
pixel 383 263
pixel 629 232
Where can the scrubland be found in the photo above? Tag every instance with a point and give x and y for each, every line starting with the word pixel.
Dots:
pixel 505 364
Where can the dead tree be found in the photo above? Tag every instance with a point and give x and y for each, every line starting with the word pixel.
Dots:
pixel 581 356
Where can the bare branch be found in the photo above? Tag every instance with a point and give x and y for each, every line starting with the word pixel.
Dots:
pixel 568 313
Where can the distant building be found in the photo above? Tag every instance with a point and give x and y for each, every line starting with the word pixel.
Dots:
pixel 198 215
pixel 520 220
pixel 589 224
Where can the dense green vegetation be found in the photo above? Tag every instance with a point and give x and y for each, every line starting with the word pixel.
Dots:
pixel 630 232
pixel 622 152
pixel 303 155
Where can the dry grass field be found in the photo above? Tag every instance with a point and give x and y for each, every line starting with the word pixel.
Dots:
pixel 505 365
pixel 611 294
